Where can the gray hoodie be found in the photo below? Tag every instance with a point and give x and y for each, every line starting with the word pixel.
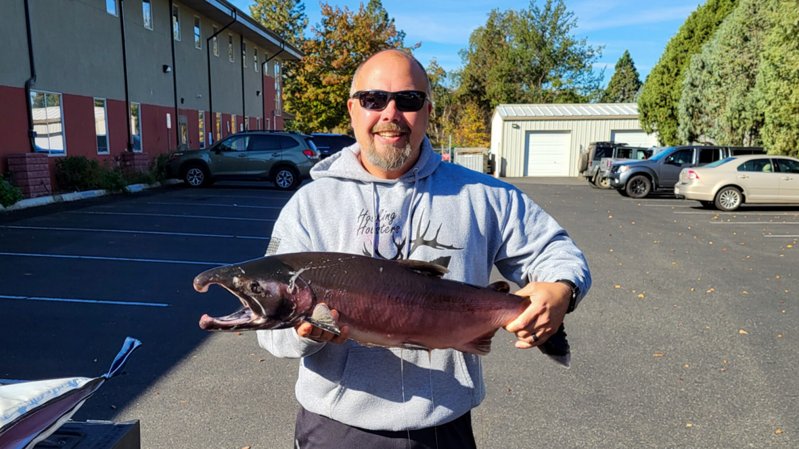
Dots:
pixel 441 212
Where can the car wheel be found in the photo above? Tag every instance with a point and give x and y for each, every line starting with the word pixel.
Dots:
pixel 729 198
pixel 196 175
pixel 602 183
pixel 638 186
pixel 286 178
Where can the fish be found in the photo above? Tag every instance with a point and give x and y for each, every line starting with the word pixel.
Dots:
pixel 30 411
pixel 389 303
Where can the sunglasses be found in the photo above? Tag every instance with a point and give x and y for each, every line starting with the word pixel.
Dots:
pixel 377 100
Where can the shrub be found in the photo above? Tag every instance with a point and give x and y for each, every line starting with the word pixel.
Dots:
pixel 9 193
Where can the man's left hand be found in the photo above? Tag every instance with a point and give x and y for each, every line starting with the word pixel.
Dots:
pixel 542 318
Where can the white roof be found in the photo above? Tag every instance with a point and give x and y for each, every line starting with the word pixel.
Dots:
pixel 566 111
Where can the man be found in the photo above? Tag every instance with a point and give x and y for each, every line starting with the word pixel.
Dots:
pixel 390 196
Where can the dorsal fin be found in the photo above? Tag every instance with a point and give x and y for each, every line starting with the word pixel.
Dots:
pixel 500 286
pixel 422 267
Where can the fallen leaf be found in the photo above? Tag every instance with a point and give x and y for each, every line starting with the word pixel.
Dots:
pixel 778 431
pixel 641 296
pixel 617 286
pixel 710 290
pixel 658 354
pixel 689 425
pixel 742 332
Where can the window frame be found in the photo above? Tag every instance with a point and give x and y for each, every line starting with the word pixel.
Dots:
pixel 62 132
pixel 201 128
pixel 147 14
pixel 255 59
pixel 176 23
pixel 278 89
pixel 107 150
pixel 230 53
pixel 135 127
pixel 215 42
pixel 198 33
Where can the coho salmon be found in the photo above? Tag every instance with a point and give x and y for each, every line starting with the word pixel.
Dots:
pixel 386 303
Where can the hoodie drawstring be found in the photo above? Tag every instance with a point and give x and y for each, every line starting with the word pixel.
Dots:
pixel 410 213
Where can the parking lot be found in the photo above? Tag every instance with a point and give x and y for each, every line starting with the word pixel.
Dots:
pixel 687 339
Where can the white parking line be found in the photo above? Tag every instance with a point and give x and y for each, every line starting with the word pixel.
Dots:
pixel 138 214
pixel 755 222
pixel 781 236
pixel 117 259
pixel 165 203
pixel 716 212
pixel 127 231
pixel 86 301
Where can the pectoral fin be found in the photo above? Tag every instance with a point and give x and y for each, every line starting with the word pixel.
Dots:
pixel 323 319
pixel 480 345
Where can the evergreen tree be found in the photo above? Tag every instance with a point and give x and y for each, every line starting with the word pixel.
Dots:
pixel 625 82
pixel 660 95
pixel 285 17
pixel 777 83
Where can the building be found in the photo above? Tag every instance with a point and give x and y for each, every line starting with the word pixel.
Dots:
pixel 122 81
pixel 546 139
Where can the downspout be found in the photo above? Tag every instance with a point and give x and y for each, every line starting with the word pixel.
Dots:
pixel 174 75
pixel 263 72
pixel 243 104
pixel 210 88
pixel 129 144
pixel 30 81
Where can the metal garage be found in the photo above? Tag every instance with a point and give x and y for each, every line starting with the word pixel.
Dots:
pixel 546 139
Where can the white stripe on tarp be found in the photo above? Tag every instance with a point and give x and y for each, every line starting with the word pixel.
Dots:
pixel 85 301
pixel 120 259
pixel 128 231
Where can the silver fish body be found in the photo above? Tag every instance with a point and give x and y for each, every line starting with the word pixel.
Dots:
pixel 384 303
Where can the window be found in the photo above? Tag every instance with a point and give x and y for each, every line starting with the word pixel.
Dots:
pixel 214 41
pixel 255 59
pixel 101 125
pixel 201 126
pixel 175 23
pixel 198 43
pixel 135 127
pixel 708 155
pixel 218 123
pixel 111 7
pixel 278 94
pixel 757 165
pixel 230 47
pixel 48 123
pixel 147 14
pixel 787 165
pixel 243 53
pixel 233 128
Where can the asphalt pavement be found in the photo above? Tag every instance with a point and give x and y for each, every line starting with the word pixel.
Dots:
pixel 686 340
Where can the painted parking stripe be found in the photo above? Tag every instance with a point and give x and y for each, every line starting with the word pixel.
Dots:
pixel 166 203
pixel 128 231
pixel 116 259
pixel 755 222
pixel 781 236
pixel 138 214
pixel 789 214
pixel 85 301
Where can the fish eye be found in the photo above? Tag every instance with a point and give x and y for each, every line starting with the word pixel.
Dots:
pixel 255 287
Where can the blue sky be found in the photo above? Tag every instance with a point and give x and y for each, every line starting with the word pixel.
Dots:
pixel 443 26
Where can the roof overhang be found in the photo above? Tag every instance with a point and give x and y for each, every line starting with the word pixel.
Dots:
pixel 585 111
pixel 224 12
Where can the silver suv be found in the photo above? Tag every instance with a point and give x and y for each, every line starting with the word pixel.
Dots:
pixel 284 158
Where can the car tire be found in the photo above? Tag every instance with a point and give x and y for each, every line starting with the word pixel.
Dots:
pixel 729 198
pixel 582 164
pixel 196 175
pixel 286 178
pixel 638 186
pixel 602 183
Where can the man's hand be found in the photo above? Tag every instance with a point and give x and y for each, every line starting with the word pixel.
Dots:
pixel 542 318
pixel 308 330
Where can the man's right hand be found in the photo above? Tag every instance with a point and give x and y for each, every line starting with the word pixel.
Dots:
pixel 308 330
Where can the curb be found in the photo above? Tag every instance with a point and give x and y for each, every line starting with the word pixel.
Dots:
pixel 76 196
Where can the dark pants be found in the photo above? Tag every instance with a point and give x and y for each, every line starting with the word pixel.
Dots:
pixel 319 432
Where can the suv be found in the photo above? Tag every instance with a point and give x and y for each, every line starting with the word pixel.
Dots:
pixel 330 144
pixel 284 158
pixel 638 179
pixel 595 162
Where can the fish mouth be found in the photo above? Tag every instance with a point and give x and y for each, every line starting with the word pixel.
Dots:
pixel 240 319
pixel 244 318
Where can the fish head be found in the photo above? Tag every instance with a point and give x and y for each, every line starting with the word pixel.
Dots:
pixel 272 295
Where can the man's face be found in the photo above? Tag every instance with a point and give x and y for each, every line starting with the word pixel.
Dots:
pixel 390 139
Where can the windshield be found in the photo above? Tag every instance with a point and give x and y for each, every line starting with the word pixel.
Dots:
pixel 662 154
pixel 719 162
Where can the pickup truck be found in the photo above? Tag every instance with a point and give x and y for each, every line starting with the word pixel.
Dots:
pixel 637 179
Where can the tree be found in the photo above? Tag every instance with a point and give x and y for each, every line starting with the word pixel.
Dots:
pixel 316 90
pixel 441 118
pixel 285 17
pixel 625 82
pixel 660 95
pixel 718 101
pixel 777 83
pixel 527 56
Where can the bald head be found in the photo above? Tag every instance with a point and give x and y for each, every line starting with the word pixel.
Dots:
pixel 395 55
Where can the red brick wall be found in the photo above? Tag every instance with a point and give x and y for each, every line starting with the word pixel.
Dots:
pixel 13 124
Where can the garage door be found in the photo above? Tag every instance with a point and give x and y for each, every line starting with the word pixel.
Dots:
pixel 634 138
pixel 547 154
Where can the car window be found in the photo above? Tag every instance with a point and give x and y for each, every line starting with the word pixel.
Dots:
pixel 235 143
pixel 310 142
pixel 264 143
pixel 708 155
pixel 623 153
pixel 286 142
pixel 787 165
pixel 681 157
pixel 643 154
pixel 603 152
pixel 757 165
pixel 719 162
